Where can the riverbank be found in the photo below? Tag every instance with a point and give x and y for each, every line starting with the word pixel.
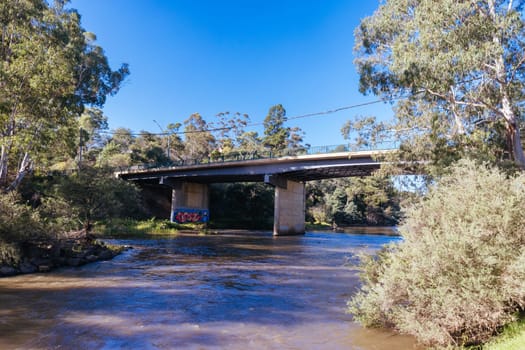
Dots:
pixel 512 337
pixel 358 229
pixel 45 255
pixel 117 228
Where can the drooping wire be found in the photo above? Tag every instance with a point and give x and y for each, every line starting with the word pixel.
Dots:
pixel 308 115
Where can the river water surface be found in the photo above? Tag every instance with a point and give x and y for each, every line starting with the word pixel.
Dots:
pixel 233 290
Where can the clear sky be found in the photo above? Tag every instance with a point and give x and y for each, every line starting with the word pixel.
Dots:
pixel 207 57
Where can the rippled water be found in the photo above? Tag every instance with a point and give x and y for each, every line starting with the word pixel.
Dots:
pixel 229 291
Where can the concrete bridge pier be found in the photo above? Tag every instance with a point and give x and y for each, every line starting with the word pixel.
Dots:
pixel 289 206
pixel 189 201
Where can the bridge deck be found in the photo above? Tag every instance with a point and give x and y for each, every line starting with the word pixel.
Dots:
pixel 298 168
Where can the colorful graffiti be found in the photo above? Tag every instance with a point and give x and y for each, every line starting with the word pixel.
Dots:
pixel 184 215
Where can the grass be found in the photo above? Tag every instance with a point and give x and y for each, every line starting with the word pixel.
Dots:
pixel 318 226
pixel 116 228
pixel 512 338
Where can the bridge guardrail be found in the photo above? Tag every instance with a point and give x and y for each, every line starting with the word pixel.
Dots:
pixel 243 156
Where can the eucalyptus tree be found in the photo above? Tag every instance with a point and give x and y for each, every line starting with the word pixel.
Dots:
pixel 250 142
pixel 456 70
pixel 117 152
pixel 174 141
pixel 199 142
pixel 124 138
pixel 92 124
pixel 230 128
pixel 148 148
pixel 277 136
pixel 50 68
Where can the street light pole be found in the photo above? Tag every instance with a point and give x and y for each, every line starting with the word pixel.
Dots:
pixel 167 134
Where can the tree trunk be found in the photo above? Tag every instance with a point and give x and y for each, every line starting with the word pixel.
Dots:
pixel 25 168
pixel 513 126
pixel 3 166
pixel 514 136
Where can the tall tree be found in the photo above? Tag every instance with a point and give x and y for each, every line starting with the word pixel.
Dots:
pixel 50 68
pixel 91 123
pixel 148 148
pixel 174 142
pixel 459 67
pixel 250 142
pixel 199 141
pixel 230 130
pixel 124 138
pixel 275 133
pixel 277 136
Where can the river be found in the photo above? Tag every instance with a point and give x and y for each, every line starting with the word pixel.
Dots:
pixel 233 290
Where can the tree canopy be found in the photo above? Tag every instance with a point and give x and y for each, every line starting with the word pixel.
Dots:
pixel 458 75
pixel 278 137
pixel 50 68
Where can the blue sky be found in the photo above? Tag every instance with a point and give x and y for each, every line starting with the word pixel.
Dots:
pixel 207 57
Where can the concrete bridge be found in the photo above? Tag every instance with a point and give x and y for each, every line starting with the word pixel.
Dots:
pixel 288 174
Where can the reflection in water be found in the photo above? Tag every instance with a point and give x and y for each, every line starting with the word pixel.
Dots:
pixel 234 290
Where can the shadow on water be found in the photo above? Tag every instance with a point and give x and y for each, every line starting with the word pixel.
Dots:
pixel 229 290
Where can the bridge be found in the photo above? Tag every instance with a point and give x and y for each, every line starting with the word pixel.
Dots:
pixel 287 174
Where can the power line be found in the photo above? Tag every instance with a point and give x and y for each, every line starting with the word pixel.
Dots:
pixel 331 111
pixel 308 115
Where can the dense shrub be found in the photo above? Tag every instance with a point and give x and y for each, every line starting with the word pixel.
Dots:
pixel 18 222
pixel 459 274
pixel 95 194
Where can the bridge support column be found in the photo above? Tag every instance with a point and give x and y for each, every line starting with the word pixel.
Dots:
pixel 289 207
pixel 189 202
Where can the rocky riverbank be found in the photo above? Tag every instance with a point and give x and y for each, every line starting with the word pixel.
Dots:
pixel 43 256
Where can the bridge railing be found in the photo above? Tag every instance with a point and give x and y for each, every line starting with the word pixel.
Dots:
pixel 237 156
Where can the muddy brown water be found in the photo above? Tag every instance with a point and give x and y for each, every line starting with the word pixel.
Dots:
pixel 234 290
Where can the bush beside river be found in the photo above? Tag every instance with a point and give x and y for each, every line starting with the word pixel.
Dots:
pixel 458 276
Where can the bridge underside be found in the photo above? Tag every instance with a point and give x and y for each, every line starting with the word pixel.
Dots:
pixel 287 175
pixel 301 175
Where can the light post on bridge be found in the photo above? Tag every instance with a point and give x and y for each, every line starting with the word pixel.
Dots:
pixel 168 136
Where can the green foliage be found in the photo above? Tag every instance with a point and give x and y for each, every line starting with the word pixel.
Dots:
pixel 275 134
pixel 50 68
pixel 457 77
pixel 512 338
pixel 48 207
pixel 222 139
pixel 241 205
pixel 353 201
pixel 277 137
pixel 199 143
pixel 147 148
pixel 231 128
pixel 458 276
pixel 93 194
pixel 121 227
pixel 10 253
pixel 18 221
pixel 111 156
